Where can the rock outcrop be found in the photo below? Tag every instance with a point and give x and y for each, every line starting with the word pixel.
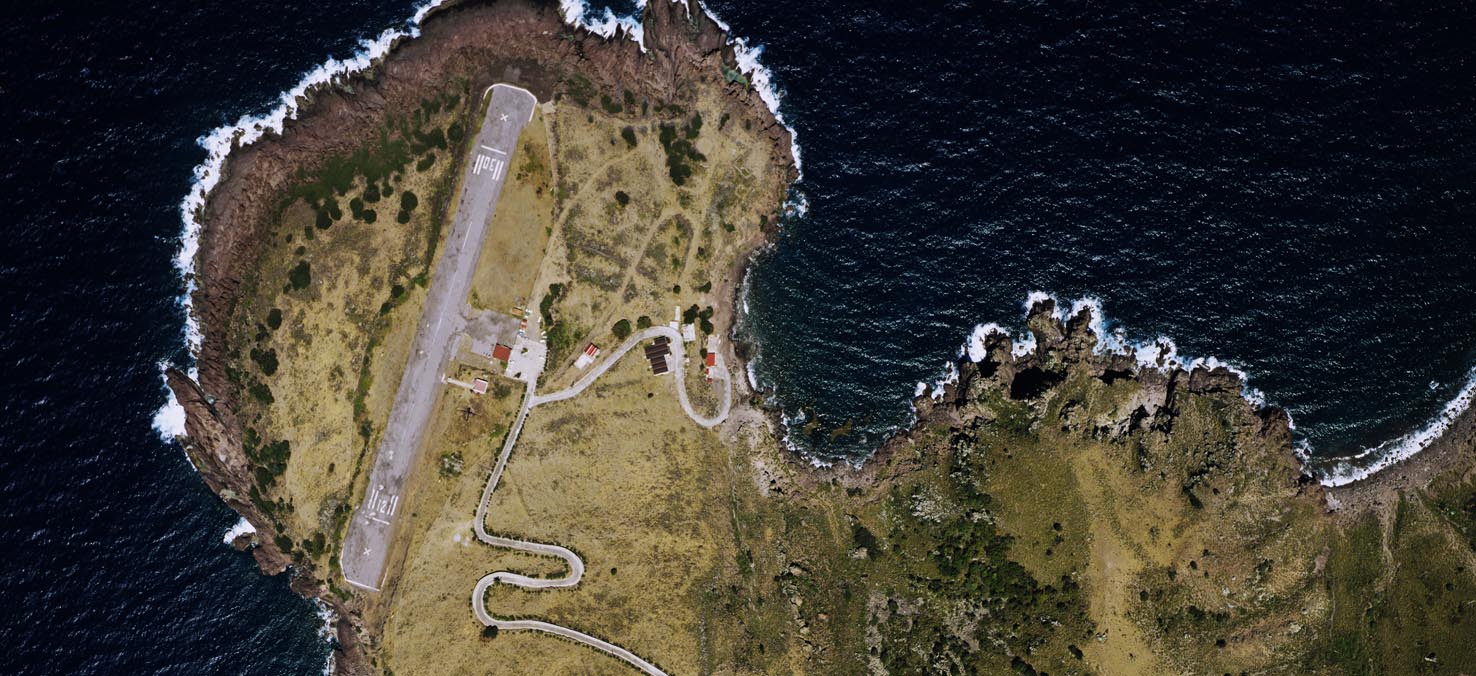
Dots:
pixel 478 42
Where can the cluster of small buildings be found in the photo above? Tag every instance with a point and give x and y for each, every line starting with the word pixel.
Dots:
pixel 659 353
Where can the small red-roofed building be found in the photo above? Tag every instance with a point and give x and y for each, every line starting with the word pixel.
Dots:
pixel 590 352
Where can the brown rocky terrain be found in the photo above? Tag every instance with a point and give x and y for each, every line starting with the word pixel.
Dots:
pixel 1065 511
pixel 477 44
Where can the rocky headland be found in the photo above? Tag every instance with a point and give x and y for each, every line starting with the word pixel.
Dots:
pixel 463 45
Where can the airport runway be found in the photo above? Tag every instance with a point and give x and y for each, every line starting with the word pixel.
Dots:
pixel 367 545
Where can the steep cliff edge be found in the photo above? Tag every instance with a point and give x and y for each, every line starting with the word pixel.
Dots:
pixel 1066 510
pixel 389 131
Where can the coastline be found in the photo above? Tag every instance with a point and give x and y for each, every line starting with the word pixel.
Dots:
pixel 223 233
pixel 1410 461
pixel 1374 489
pixel 215 446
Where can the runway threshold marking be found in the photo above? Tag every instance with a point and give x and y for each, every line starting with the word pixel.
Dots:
pixel 488 163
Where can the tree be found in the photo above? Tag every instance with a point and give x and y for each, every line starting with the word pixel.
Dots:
pixel 621 329
pixel 300 276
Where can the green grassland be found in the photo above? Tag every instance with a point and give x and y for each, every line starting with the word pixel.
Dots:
pixel 1034 533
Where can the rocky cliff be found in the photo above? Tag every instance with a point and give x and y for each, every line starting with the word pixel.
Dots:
pixel 465 46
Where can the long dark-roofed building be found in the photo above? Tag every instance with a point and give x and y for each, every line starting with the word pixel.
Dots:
pixel 656 354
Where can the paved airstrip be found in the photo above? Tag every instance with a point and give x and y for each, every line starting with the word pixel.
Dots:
pixel 367 544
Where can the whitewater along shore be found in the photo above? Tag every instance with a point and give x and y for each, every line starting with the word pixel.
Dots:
pixel 814 534
pixel 1209 547
pixel 478 43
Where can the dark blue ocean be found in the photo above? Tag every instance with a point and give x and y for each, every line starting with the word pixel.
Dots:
pixel 1286 189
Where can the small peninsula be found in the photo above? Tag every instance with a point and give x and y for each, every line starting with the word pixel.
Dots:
pixel 594 488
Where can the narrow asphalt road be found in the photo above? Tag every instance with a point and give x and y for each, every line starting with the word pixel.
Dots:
pixel 366 547
pixel 576 566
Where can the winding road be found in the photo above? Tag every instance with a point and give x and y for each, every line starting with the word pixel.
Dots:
pixel 576 565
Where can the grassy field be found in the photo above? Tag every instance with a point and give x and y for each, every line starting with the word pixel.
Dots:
pixel 1098 525
pixel 520 229
pixel 620 474
pixel 321 332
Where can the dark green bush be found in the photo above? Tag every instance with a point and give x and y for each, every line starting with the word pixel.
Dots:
pixel 611 106
pixel 545 306
pixel 261 393
pixel 621 329
pixel 265 359
pixel 300 276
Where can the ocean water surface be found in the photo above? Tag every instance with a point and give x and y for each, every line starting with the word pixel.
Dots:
pixel 1287 189
pixel 115 546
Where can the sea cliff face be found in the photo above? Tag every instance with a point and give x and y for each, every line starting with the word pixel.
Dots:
pixel 463 46
pixel 1061 509
pixel 1064 509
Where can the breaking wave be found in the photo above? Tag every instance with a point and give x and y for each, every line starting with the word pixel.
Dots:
pixel 1370 461
pixel 242 527
pixel 607 24
pixel 219 142
pixel 1159 353
pixel 1162 354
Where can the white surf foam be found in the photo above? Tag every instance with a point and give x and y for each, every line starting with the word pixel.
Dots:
pixel 242 527
pixel 1370 461
pixel 169 420
pixel 218 144
pixel 1161 353
pixel 759 77
pixel 326 632
pixel 606 24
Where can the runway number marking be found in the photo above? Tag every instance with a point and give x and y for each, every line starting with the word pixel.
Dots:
pixel 487 163
pixel 382 503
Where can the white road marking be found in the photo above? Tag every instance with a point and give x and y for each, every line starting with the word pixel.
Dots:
pixel 379 520
pixel 499 152
pixel 487 163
